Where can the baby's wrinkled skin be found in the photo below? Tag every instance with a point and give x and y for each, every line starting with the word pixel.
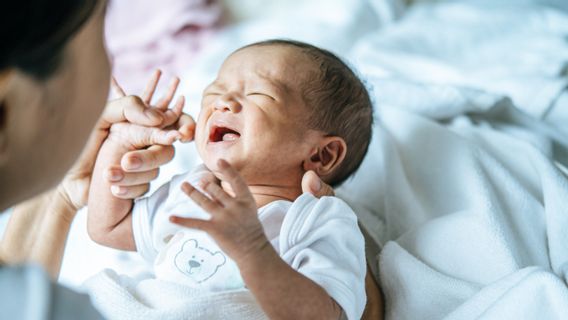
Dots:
pixel 253 116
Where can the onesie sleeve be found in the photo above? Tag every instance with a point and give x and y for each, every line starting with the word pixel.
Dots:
pixel 320 239
pixel 143 213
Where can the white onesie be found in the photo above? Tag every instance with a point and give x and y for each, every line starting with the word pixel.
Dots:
pixel 319 238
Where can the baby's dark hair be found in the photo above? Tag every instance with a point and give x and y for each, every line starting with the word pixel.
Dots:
pixel 341 104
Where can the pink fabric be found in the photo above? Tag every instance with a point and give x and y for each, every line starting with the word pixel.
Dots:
pixel 144 35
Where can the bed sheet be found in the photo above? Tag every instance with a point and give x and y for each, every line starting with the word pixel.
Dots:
pixel 446 92
pixel 464 176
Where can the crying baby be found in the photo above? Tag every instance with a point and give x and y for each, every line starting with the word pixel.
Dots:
pixel 277 110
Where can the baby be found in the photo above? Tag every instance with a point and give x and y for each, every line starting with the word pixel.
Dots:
pixel 276 110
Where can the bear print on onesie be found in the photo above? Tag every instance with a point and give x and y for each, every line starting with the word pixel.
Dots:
pixel 192 258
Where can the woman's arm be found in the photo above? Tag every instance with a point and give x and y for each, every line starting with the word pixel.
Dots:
pixel 22 229
pixel 37 231
pixel 283 292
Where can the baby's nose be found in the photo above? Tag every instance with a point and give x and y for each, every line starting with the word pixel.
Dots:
pixel 227 102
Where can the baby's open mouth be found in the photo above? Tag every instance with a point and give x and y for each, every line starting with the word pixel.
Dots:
pixel 218 134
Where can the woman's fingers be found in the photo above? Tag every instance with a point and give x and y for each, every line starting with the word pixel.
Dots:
pixel 312 183
pixel 165 101
pixel 117 176
pixel 147 159
pixel 151 87
pixel 129 192
pixel 231 175
pixel 199 198
pixel 141 136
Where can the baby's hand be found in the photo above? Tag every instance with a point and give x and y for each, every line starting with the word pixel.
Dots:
pixel 234 222
pixel 145 148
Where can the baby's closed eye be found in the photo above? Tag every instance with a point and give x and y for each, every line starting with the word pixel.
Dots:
pixel 261 94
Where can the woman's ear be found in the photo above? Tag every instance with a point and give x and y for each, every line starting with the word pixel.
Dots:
pixel 327 156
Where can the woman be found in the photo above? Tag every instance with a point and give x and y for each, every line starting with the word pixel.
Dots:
pixel 54 74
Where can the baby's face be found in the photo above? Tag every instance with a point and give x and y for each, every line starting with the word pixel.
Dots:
pixel 253 115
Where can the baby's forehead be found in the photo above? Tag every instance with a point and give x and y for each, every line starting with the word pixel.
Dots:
pixel 279 64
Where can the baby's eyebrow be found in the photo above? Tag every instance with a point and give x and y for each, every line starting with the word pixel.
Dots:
pixel 276 83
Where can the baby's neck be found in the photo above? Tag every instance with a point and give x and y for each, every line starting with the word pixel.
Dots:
pixel 265 194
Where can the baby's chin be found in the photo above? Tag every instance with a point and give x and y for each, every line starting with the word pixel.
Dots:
pixel 212 162
pixel 246 169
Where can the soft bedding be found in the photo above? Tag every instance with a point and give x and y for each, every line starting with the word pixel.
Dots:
pixel 463 184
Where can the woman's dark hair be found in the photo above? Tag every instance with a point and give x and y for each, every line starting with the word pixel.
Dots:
pixel 33 33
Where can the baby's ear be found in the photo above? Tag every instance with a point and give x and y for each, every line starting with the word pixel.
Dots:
pixel 327 156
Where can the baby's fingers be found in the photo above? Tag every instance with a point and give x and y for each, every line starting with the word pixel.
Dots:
pixel 116 88
pixel 199 198
pixel 165 101
pixel 231 175
pixel 199 224
pixel 151 87
pixel 313 184
pixel 186 127
pixel 172 116
pixel 216 192
pixel 131 109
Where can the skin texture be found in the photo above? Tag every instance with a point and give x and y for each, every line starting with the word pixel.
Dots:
pixel 258 94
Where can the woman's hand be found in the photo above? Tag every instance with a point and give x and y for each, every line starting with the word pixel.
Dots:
pixel 140 166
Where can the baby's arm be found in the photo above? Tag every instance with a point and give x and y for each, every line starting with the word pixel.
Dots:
pixel 282 292
pixel 109 219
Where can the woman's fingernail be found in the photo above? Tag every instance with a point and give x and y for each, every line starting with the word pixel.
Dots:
pixel 116 190
pixel 133 163
pixel 115 175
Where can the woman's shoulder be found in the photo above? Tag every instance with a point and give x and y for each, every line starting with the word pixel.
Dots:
pixel 28 293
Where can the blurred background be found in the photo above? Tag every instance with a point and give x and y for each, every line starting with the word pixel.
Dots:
pixel 435 58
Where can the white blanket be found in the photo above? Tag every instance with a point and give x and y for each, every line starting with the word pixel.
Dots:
pixel 479 217
pixel 122 298
pixel 463 187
